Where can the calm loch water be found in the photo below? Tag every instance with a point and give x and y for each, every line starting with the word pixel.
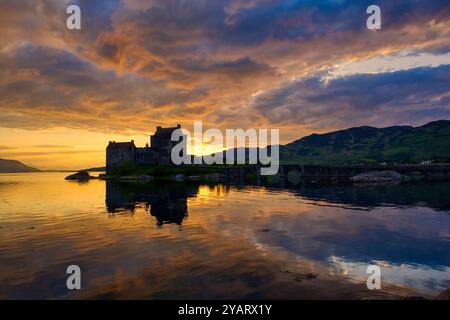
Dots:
pixel 179 241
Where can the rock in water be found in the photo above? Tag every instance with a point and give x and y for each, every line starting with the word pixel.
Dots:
pixel 80 175
pixel 378 176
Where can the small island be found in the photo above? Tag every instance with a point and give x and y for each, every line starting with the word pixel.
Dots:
pixel 80 175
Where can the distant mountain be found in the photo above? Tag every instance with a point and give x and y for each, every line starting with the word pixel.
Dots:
pixel 369 144
pixel 14 166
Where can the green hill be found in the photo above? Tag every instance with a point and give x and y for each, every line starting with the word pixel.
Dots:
pixel 402 144
pixel 14 166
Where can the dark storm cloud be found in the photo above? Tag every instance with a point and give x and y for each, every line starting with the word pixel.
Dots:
pixel 411 96
pixel 243 67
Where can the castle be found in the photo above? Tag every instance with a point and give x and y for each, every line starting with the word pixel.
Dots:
pixel 158 152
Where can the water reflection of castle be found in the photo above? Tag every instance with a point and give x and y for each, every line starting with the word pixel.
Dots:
pixel 167 203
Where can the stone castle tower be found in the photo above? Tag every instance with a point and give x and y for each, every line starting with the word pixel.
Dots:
pixel 118 153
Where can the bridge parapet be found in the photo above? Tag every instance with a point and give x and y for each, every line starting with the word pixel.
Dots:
pixel 334 174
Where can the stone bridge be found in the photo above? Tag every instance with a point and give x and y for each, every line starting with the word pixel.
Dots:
pixel 333 174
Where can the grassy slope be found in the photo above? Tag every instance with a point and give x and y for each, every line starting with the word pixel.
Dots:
pixel 368 144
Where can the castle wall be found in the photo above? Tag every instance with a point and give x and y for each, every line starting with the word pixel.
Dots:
pixel 146 156
pixel 159 153
pixel 116 156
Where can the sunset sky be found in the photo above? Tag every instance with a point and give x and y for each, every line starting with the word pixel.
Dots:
pixel 300 66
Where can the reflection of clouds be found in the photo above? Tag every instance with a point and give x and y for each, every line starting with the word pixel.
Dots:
pixel 405 240
pixel 336 242
pixel 392 235
pixel 426 280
